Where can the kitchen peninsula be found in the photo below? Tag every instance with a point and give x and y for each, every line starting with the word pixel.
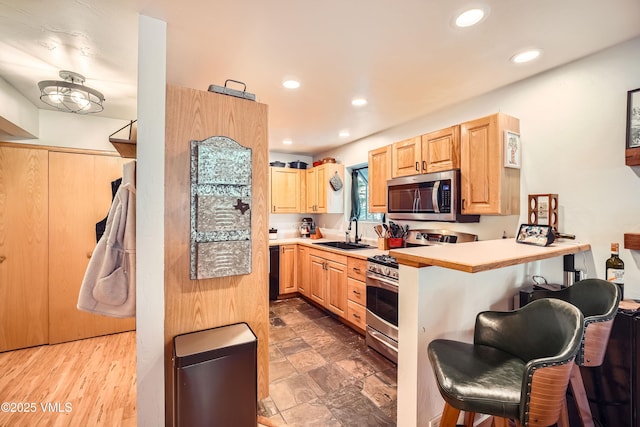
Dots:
pixel 443 287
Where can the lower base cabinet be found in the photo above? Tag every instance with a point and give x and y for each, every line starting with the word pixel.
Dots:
pixel 328 280
pixel 303 270
pixel 357 292
pixel 288 269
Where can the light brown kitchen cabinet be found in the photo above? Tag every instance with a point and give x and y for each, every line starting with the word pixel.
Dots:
pixel 441 150
pixel 379 172
pixel 406 157
pixel 432 152
pixel 337 288
pixel 79 196
pixel 356 292
pixel 303 270
pixel 328 278
pixel 487 186
pixel 317 278
pixel 24 302
pixel 320 196
pixel 288 268
pixel 285 189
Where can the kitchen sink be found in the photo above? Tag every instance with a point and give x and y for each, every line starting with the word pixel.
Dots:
pixel 345 245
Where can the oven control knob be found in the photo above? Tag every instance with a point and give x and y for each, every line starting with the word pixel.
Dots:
pixel 386 271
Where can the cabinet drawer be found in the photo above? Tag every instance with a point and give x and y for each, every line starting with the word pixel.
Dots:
pixel 356 314
pixel 356 291
pixel 357 268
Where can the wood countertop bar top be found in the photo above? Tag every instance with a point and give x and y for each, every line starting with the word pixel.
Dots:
pixel 483 255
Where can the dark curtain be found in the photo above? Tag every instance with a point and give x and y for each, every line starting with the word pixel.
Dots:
pixel 355 195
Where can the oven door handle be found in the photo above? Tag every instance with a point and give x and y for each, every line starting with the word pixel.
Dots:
pixel 378 282
pixel 379 338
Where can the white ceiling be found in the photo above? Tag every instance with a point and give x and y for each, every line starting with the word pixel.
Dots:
pixel 405 57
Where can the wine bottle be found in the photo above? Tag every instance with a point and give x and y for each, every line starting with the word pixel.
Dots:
pixel 615 269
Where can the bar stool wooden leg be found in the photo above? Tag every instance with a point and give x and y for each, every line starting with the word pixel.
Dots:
pixel 563 420
pixel 468 419
pixel 580 397
pixel 449 416
pixel 500 422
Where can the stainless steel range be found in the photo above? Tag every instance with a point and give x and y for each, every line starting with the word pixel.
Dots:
pixel 382 305
pixel 382 289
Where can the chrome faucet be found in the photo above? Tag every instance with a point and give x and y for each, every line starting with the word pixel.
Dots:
pixel 357 238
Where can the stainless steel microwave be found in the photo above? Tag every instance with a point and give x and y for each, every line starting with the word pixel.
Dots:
pixel 427 197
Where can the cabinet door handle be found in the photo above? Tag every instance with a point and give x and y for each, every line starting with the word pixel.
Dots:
pixel 424 166
pixel 357 316
pixel 89 254
pixel 356 269
pixel 356 292
pixel 417 167
pixel 2 258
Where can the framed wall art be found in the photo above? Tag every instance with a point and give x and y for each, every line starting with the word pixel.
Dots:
pixel 633 118
pixel 512 150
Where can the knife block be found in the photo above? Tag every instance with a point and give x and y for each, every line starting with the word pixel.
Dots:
pixel 383 243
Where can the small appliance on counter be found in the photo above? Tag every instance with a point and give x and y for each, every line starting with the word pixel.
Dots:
pixel 306 226
pixel 273 234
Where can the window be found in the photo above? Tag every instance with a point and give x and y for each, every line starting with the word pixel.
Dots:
pixel 360 196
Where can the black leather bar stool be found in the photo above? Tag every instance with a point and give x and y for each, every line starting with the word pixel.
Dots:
pixel 517 368
pixel 598 300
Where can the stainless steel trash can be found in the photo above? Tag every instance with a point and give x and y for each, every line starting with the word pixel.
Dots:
pixel 215 377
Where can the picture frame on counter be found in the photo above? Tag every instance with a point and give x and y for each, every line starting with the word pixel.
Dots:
pixel 534 234
pixel 633 118
pixel 512 150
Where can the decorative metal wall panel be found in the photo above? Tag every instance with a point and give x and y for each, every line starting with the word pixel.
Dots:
pixel 220 208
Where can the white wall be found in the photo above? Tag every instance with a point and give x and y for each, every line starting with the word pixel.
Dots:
pixel 152 42
pixel 572 121
pixel 17 109
pixel 60 129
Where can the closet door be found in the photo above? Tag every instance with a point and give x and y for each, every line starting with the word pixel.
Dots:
pixel 79 197
pixel 23 248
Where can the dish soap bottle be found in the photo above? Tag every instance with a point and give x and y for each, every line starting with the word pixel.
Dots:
pixel 615 269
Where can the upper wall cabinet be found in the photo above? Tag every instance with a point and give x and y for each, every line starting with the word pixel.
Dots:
pixel 441 150
pixel 433 152
pixel 379 173
pixel 488 187
pixel 406 157
pixel 321 197
pixel 285 187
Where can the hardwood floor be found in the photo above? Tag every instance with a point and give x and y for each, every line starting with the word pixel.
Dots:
pixel 90 382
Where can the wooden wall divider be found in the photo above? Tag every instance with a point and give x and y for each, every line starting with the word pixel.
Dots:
pixel 192 305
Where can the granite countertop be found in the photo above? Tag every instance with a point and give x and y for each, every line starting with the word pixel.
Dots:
pixel 473 257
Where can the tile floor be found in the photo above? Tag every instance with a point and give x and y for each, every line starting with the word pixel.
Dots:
pixel 323 374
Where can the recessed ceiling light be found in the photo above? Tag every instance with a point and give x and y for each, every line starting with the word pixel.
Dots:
pixel 344 134
pixel 287 141
pixel 469 17
pixel 291 84
pixel 526 56
pixel 359 102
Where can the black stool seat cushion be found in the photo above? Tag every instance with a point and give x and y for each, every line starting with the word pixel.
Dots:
pixel 478 378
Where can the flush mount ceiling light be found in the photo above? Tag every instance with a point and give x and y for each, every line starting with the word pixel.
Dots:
pixel 287 141
pixel 359 102
pixel 70 94
pixel 469 17
pixel 291 84
pixel 526 56
pixel 344 134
